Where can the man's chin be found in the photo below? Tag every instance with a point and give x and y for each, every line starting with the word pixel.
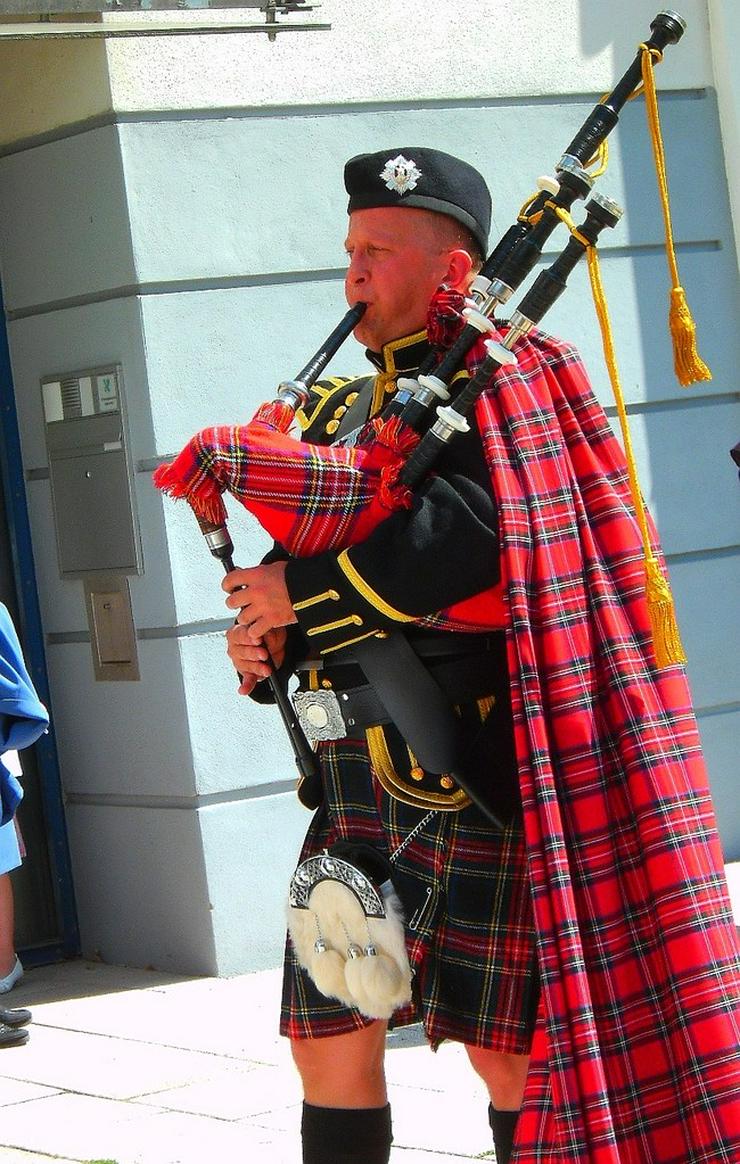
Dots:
pixel 368 337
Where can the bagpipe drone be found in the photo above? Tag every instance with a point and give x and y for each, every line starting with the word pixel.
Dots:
pixel 271 471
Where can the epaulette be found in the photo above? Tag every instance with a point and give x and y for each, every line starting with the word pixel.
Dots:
pixel 327 404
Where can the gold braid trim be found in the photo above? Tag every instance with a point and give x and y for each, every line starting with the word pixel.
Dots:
pixel 368 593
pixel 401 789
pixel 382 764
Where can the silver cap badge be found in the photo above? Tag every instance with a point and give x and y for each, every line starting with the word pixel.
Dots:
pixel 400 174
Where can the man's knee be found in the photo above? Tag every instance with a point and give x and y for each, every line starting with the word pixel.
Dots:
pixel 504 1075
pixel 343 1070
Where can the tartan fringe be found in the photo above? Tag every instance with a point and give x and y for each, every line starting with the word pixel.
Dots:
pixel 203 497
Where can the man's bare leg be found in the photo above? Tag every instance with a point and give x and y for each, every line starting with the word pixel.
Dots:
pixel 505 1077
pixel 346 1115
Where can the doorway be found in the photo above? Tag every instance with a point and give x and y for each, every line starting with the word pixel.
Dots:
pixel 45 915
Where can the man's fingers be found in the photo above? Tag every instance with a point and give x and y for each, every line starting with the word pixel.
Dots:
pixel 260 627
pixel 238 599
pixel 235 580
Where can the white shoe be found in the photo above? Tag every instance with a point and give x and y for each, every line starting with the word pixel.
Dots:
pixel 8 982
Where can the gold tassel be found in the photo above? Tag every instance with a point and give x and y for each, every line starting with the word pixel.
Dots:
pixel 688 364
pixel 667 643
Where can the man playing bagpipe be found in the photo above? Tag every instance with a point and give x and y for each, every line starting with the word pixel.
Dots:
pixel 564 909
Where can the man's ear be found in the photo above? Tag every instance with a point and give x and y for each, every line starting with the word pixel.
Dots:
pixel 459 270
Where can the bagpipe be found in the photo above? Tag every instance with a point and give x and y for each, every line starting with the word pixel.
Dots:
pixel 364 478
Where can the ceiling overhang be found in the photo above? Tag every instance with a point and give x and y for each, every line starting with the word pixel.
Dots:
pixel 59 19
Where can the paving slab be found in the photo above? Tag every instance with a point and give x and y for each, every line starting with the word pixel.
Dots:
pixel 84 1128
pixel 80 979
pixel 145 1068
pixel 76 1126
pixel 415 1064
pixel 20 1091
pixel 238 1094
pixel 456 1124
pixel 94 1064
pixel 19 1156
pixel 224 1016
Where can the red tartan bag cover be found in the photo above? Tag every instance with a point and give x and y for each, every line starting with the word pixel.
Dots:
pixel 636 1055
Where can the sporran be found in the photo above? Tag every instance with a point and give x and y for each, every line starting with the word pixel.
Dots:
pixel 346 923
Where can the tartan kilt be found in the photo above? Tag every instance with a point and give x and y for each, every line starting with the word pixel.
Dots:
pixel 467 906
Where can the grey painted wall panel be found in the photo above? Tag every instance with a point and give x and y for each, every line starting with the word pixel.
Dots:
pixel 637 287
pixel 250 850
pixel 236 744
pixel 719 735
pixel 122 739
pixel 152 598
pixel 234 345
pixel 687 475
pixel 63 222
pixel 231 197
pixel 68 340
pixel 62 602
pixel 214 356
pixel 147 866
pixel 706 595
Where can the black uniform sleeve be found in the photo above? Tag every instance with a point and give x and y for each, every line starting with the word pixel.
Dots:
pixel 417 562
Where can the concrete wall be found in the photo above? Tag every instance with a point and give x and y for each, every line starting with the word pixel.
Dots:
pixel 46 86
pixel 195 235
pixel 725 34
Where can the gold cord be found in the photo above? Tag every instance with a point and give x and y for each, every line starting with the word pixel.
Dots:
pixel 689 366
pixel 666 636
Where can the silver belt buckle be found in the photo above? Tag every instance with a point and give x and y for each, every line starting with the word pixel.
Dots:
pixel 319 715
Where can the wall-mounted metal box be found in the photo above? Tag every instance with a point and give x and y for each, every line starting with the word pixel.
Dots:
pixel 91 473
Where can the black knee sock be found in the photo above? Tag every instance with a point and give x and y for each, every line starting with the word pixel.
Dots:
pixel 338 1135
pixel 503 1126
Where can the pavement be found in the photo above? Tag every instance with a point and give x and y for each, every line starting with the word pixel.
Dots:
pixel 127 1066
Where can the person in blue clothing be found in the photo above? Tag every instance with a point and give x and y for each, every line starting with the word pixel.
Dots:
pixel 23 718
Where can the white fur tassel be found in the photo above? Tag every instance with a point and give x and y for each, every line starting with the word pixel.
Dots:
pixel 327 970
pixel 375 982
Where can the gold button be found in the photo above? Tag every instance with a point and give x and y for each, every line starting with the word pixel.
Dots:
pixel 351 398
pixel 417 773
pixel 332 427
pixel 326 683
pixel 340 411
pixel 446 782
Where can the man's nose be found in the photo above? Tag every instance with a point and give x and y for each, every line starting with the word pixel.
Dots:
pixel 357 271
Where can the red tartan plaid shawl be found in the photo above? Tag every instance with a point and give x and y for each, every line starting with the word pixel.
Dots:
pixel 636 1059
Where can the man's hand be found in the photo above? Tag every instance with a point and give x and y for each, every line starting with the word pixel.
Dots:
pixel 261 597
pixel 250 656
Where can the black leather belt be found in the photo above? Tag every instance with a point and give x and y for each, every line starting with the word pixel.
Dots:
pixel 333 715
pixel 344 708
pixel 449 645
